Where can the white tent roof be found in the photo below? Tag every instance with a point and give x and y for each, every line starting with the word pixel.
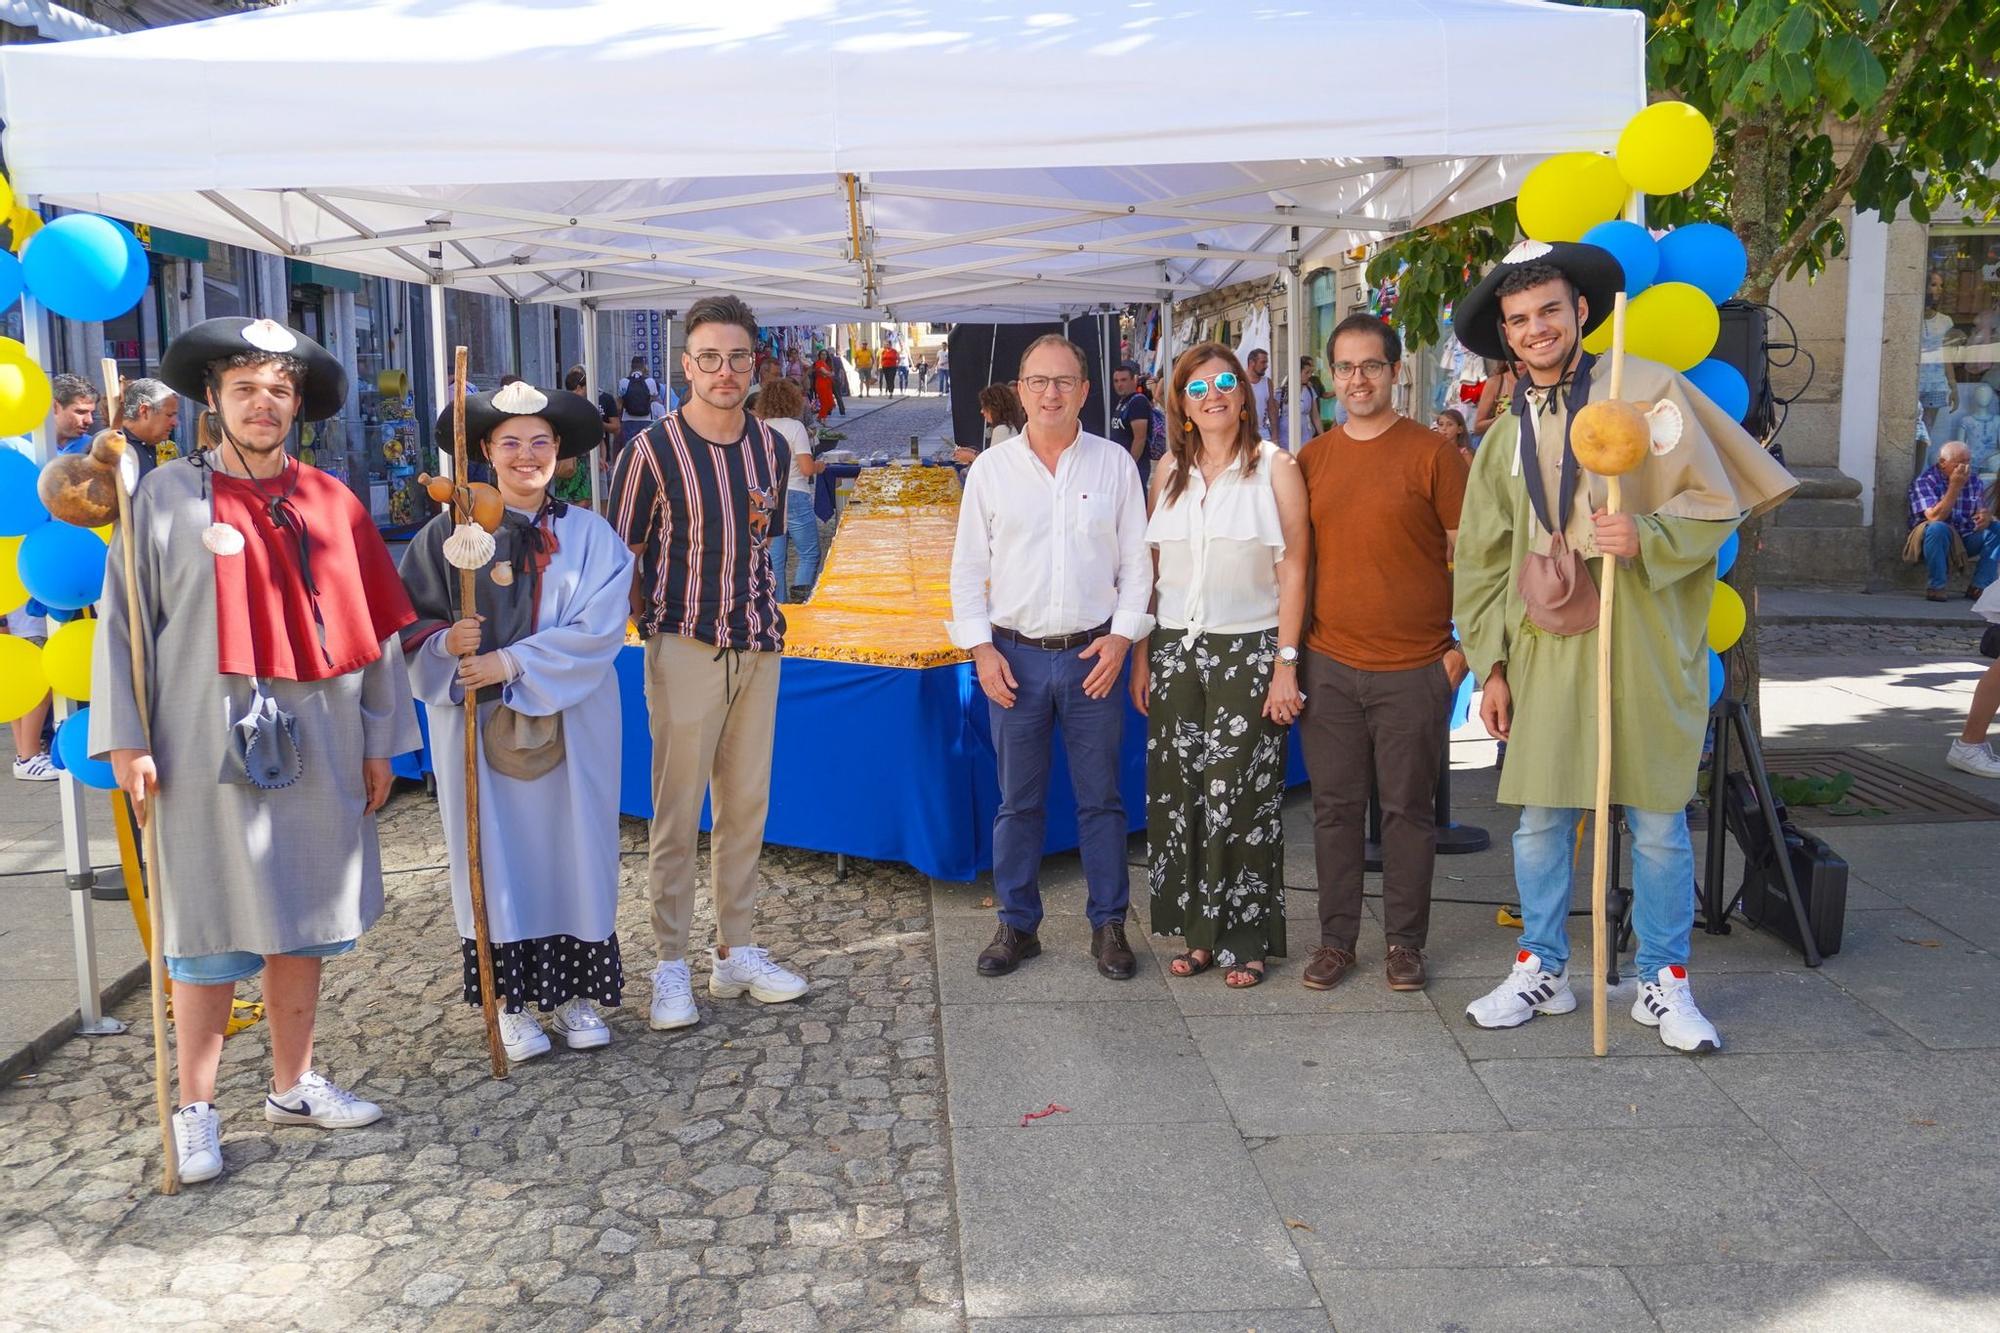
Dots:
pixel 935 159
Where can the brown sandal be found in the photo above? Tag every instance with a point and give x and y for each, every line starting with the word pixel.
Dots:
pixel 1195 966
pixel 1255 971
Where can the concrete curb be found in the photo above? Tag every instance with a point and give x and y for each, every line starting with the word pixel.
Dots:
pixel 25 1058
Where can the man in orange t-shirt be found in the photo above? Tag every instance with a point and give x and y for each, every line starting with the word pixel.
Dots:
pixel 1381 662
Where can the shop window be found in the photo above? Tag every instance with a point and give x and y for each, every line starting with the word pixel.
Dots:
pixel 223 278
pixel 1958 361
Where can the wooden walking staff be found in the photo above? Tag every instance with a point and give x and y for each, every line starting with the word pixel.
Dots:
pixel 468 602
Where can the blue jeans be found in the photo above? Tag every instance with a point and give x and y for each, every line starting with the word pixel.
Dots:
pixel 802 531
pixel 1983 546
pixel 223 969
pixel 1662 884
pixel 1049 694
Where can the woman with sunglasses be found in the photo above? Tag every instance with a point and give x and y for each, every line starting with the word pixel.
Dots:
pixel 1230 533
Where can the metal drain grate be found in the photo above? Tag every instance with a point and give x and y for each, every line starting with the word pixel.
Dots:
pixel 1883 793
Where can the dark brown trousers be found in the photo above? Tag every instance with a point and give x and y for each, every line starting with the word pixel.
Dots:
pixel 1385 729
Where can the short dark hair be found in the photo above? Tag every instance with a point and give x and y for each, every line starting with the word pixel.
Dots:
pixel 69 388
pixel 291 367
pixel 639 362
pixel 721 310
pixel 1363 322
pixel 1130 368
pixel 576 379
pixel 1530 276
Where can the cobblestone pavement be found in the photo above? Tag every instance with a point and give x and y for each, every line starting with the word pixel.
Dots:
pixel 778 1168
pixel 1872 640
pixel 872 428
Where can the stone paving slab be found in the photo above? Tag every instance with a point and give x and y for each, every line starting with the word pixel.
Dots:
pixel 1343 1074
pixel 1065 971
pixel 1491 1300
pixel 1949 1296
pixel 1126 1064
pixel 1116 1219
pixel 1262 1321
pixel 1934 985
pixel 1621 1093
pixel 1580 1197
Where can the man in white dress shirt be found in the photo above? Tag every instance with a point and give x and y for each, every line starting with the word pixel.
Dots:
pixel 1050 581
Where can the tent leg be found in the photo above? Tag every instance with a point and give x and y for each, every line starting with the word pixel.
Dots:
pixel 80 879
pixel 1296 347
pixel 440 385
pixel 594 459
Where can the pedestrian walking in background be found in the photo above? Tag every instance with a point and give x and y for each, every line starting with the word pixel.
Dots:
pixel 1219 684
pixel 1382 662
pixel 1050 582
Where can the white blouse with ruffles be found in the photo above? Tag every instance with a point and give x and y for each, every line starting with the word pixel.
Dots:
pixel 1219 551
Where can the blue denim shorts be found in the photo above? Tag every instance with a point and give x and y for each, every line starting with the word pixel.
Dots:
pixel 221 969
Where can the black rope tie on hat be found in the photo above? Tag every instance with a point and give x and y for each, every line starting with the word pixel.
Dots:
pixel 1573 388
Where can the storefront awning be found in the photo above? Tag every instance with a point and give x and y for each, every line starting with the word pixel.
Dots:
pixel 171 243
pixel 827 159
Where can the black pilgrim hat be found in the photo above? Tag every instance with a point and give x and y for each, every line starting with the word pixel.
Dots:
pixel 185 365
pixel 578 424
pixel 1593 271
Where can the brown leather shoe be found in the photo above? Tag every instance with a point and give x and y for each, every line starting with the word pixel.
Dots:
pixel 1326 967
pixel 1113 954
pixel 1406 968
pixel 1009 949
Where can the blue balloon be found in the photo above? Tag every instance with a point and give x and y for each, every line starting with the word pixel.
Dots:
pixel 1633 247
pixel 73 744
pixel 1707 255
pixel 62 566
pixel 34 608
pixel 1725 386
pixel 21 510
pixel 85 267
pixel 1718 675
pixel 11 281
pixel 1725 556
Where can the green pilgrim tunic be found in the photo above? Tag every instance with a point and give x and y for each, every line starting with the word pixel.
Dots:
pixel 1687 499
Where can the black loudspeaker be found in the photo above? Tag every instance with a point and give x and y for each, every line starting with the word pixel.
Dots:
pixel 1745 344
pixel 983 354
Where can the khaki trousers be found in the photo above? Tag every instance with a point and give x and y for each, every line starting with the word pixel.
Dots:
pixel 712 718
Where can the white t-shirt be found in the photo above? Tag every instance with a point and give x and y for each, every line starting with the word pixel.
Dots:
pixel 1261 391
pixel 794 433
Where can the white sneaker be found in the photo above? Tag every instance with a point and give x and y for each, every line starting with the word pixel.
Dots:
pixel 521 1036
pixel 198 1142
pixel 577 1023
pixel 673 996
pixel 1978 760
pixel 1668 1004
pixel 749 968
pixel 37 768
pixel 315 1101
pixel 1528 990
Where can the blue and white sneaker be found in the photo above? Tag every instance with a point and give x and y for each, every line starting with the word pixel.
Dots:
pixel 1529 989
pixel 315 1101
pixel 1668 1004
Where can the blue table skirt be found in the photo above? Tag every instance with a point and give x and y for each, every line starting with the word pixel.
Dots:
pixel 888 763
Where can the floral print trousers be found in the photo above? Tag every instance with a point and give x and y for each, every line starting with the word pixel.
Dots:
pixel 1215 790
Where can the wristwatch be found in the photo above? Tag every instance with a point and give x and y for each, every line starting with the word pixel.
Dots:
pixel 1289 656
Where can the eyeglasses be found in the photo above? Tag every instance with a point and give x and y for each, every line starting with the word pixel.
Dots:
pixel 1344 370
pixel 511 447
pixel 1224 383
pixel 711 361
pixel 1062 384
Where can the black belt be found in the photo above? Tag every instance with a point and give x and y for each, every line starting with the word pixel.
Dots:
pixel 1055 644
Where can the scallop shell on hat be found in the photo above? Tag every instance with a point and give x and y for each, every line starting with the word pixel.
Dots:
pixel 1526 251
pixel 222 539
pixel 268 335
pixel 1664 423
pixel 520 399
pixel 469 547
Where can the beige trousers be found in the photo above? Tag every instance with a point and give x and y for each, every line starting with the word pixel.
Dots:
pixel 712 720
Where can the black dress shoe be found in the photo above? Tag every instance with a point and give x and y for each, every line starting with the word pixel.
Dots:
pixel 1113 954
pixel 1009 949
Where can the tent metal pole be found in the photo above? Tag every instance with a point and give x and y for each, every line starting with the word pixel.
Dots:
pixel 440 386
pixel 594 460
pixel 1296 346
pixel 1104 364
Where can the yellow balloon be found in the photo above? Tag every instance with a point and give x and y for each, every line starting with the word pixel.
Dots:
pixel 6 195
pixel 13 349
pixel 1665 148
pixel 66 659
pixel 21 683
pixel 25 396
pixel 23 223
pixel 1674 323
pixel 1598 341
pixel 1567 195
pixel 1725 618
pixel 104 532
pixel 13 594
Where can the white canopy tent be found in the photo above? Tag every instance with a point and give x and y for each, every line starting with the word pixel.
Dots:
pixel 829 160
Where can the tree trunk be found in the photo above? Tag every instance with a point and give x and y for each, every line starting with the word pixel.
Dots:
pixel 1756 213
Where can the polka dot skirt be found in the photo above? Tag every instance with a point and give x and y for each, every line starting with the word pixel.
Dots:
pixel 548 972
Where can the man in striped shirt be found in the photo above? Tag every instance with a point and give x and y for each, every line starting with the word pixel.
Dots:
pixel 698 497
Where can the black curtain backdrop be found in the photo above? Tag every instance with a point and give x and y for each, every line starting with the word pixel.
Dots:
pixel 983 354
